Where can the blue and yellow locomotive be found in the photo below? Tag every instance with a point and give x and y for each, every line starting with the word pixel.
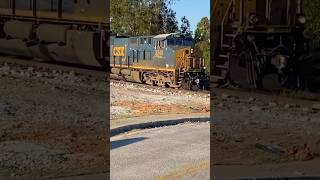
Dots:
pixel 162 60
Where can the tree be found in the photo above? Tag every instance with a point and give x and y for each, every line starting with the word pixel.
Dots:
pixel 185 27
pixel 142 17
pixel 311 8
pixel 170 23
pixel 202 42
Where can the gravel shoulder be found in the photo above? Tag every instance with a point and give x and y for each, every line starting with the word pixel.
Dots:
pixel 130 100
pixel 254 129
pixel 52 124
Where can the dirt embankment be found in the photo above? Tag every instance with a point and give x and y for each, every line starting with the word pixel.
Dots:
pixel 134 100
pixel 52 123
pixel 254 128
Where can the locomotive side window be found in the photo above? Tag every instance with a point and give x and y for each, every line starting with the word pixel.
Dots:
pixel 149 40
pixel 161 44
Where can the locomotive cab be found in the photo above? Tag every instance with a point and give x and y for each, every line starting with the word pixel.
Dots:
pixel 189 71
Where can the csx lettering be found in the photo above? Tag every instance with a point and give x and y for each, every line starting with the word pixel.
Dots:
pixel 118 51
pixel 158 54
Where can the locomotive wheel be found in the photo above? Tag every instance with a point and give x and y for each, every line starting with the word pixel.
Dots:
pixel 161 84
pixel 186 85
pixel 195 87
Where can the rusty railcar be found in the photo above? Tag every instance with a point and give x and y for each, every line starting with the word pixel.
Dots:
pixel 162 60
pixel 73 31
pixel 262 44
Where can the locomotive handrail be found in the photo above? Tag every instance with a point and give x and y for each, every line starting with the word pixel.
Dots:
pixel 214 9
pixel 223 20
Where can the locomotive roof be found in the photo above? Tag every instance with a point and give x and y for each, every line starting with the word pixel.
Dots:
pixel 160 36
pixel 166 36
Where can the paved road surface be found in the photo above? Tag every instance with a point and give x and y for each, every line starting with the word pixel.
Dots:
pixel 173 152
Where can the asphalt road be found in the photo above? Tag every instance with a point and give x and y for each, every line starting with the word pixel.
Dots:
pixel 173 152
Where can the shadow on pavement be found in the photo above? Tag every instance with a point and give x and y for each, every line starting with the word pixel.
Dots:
pixel 125 142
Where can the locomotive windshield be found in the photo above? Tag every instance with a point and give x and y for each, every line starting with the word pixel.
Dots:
pixel 180 42
pixel 173 39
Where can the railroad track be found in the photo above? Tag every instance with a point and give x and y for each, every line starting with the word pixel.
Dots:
pixel 101 74
pixel 98 73
pixel 284 93
pixel 157 88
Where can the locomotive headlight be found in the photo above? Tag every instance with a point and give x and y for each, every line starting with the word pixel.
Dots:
pixel 280 62
pixel 302 19
pixel 191 51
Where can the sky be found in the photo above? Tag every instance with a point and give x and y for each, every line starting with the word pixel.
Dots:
pixel 194 10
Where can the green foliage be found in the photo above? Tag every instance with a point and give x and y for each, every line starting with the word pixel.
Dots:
pixel 311 9
pixel 142 17
pixel 185 27
pixel 170 23
pixel 202 42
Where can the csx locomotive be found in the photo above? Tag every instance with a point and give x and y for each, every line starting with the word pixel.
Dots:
pixel 162 60
pixel 262 44
pixel 73 31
